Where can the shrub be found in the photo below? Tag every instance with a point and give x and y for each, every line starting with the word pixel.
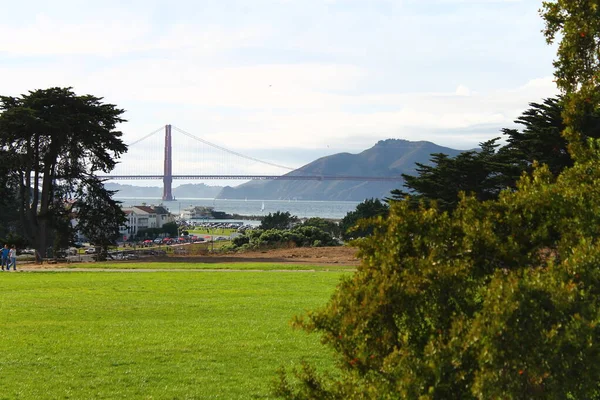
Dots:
pixel 301 236
pixel 270 238
pixel 240 240
pixel 498 300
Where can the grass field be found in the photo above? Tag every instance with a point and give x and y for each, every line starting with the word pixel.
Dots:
pixel 160 335
pixel 257 266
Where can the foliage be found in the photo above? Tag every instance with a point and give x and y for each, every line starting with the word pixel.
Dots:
pixel 540 139
pixel 497 300
pixel 9 201
pixel 100 217
pixel 311 236
pixel 57 141
pixel 171 229
pixel 240 240
pixel 576 24
pixel 486 172
pixel 278 220
pixel 323 224
pixel 370 208
pixel 300 236
pixel 476 172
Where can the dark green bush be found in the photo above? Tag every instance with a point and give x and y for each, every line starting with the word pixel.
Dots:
pixel 499 300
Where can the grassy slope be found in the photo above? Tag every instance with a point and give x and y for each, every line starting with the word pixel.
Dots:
pixel 159 335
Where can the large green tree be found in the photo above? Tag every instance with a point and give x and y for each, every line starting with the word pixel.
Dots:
pixel 58 141
pixel 540 138
pixel 478 172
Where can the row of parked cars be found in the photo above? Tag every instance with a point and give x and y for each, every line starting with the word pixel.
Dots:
pixel 179 240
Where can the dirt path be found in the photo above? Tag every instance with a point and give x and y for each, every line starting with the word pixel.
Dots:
pixel 318 256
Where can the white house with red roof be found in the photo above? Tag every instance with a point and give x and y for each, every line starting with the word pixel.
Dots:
pixel 141 218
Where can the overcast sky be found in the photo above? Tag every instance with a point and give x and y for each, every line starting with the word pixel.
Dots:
pixel 289 80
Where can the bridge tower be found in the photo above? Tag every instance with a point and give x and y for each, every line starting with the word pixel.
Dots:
pixel 168 172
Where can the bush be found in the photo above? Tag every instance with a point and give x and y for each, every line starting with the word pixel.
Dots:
pixel 301 236
pixel 240 240
pixel 498 300
pixel 270 238
pixel 308 235
pixel 330 227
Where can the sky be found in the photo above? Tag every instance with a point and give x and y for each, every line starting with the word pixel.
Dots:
pixel 288 81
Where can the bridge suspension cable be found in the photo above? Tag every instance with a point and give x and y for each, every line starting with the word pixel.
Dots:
pixel 161 129
pixel 231 151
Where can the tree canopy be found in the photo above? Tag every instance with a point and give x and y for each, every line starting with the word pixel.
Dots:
pixel 476 172
pixel 323 224
pixel 576 24
pixel 56 141
pixel 369 208
pixel 493 168
pixel 278 220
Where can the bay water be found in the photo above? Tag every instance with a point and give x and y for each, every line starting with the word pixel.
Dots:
pixel 300 208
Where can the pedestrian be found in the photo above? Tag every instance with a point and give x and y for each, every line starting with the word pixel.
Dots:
pixel 4 257
pixel 12 255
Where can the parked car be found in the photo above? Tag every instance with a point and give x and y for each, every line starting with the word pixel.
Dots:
pixel 90 250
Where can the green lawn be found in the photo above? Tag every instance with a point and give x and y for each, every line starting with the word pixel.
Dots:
pixel 160 335
pixel 176 265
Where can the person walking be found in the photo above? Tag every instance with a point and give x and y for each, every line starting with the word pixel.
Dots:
pixel 12 255
pixel 4 256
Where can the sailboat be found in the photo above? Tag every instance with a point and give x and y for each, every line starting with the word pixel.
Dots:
pixel 262 207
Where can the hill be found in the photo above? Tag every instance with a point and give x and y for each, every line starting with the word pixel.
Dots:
pixel 189 190
pixel 388 158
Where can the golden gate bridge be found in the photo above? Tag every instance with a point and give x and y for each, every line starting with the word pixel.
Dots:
pixel 167 175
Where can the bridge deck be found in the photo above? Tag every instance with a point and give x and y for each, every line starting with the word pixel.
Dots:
pixel 258 177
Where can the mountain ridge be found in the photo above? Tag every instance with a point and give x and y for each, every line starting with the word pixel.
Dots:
pixel 387 158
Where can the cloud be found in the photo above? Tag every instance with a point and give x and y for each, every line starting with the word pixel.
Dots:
pixel 284 74
pixel 119 34
pixel 462 91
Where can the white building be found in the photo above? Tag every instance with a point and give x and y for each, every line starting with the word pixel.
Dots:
pixel 197 212
pixel 141 218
